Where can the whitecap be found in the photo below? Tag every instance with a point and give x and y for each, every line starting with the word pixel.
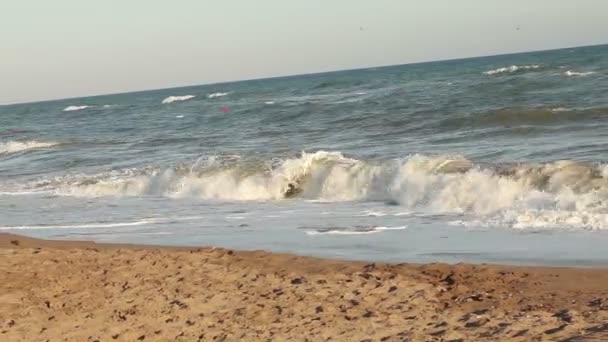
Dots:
pixel 75 108
pixel 11 147
pixel 577 73
pixel 214 95
pixel 179 98
pixel 512 69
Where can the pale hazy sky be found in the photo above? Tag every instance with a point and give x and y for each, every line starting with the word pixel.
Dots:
pixel 69 48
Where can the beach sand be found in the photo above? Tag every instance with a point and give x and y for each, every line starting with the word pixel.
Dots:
pixel 82 291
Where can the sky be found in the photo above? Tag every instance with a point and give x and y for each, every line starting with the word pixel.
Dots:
pixel 72 48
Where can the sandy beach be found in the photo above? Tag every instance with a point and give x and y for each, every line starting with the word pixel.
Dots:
pixel 82 291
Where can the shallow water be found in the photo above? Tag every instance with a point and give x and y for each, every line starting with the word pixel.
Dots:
pixel 495 159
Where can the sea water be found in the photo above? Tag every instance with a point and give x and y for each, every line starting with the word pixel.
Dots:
pixel 493 159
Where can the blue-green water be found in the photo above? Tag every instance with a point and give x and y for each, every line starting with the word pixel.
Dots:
pixel 494 159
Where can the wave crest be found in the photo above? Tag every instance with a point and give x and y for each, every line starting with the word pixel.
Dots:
pixel 11 147
pixel 566 193
pixel 214 95
pixel 577 73
pixel 75 108
pixel 512 69
pixel 178 98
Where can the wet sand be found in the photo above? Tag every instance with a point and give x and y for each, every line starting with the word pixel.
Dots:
pixel 82 291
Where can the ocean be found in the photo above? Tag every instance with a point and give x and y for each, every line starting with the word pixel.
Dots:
pixel 499 159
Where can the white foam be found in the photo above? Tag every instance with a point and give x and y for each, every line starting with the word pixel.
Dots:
pixel 342 232
pixel 81 226
pixel 75 108
pixel 18 193
pixel 11 147
pixel 558 193
pixel 371 213
pixel 577 73
pixel 179 98
pixel 391 228
pixel 235 217
pixel 512 69
pixel 371 230
pixel 179 116
pixel 269 102
pixel 535 219
pixel 214 95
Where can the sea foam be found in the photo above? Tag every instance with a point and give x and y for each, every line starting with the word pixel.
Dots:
pixel 75 108
pixel 352 231
pixel 516 195
pixel 81 226
pixel 512 69
pixel 577 73
pixel 11 147
pixel 179 98
pixel 214 95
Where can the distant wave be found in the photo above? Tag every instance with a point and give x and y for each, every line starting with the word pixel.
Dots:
pixel 508 117
pixel 576 73
pixel 214 95
pixel 326 84
pixel 564 194
pixel 75 108
pixel 178 98
pixel 512 69
pixel 11 147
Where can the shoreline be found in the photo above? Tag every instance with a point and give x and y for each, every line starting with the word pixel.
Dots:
pixel 25 241
pixel 84 290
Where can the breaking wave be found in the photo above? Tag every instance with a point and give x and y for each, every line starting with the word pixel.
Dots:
pixel 577 73
pixel 11 147
pixel 172 99
pixel 75 108
pixel 214 95
pixel 512 69
pixel 563 193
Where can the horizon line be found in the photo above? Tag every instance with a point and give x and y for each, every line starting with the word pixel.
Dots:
pixel 296 75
